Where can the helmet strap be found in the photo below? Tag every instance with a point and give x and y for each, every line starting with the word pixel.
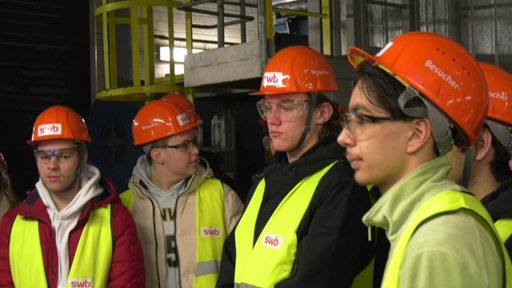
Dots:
pixel 468 165
pixel 307 125
pixel 440 124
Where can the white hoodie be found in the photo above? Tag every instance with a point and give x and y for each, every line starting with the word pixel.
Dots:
pixel 65 220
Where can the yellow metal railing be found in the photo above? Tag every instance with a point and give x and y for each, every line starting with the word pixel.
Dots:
pixel 144 83
pixel 324 15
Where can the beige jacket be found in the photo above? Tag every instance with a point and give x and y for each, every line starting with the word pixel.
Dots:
pixel 147 217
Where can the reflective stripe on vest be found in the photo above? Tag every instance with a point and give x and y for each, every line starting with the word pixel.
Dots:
pixel 504 228
pixel 211 232
pixel 271 258
pixel 91 264
pixel 447 201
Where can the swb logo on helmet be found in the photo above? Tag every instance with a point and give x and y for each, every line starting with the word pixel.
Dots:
pixel 49 129
pixel 276 79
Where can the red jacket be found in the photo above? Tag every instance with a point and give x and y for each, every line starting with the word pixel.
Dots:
pixel 127 267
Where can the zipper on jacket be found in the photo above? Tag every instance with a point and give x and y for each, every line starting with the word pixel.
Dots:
pixel 155 236
pixel 175 236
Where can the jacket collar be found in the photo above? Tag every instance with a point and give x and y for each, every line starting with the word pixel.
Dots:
pixel 393 210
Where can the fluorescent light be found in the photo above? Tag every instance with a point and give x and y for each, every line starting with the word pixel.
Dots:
pixel 179 53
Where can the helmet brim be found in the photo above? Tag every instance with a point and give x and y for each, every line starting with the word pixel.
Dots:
pixel 357 56
pixel 257 93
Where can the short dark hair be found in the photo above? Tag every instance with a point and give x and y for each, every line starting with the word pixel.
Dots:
pixel 332 127
pixel 381 89
pixel 499 163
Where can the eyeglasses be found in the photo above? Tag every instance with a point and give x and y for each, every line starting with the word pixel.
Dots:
pixel 285 110
pixel 186 146
pixel 352 120
pixel 62 155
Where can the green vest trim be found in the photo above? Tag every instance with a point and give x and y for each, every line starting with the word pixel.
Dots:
pixel 271 258
pixel 91 264
pixel 504 228
pixel 447 201
pixel 211 232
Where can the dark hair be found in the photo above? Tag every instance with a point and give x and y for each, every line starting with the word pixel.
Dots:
pixel 499 164
pixel 381 89
pixel 6 187
pixel 332 126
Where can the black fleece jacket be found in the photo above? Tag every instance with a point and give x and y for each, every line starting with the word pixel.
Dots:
pixel 499 205
pixel 333 243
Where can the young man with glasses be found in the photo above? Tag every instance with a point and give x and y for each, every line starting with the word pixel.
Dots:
pixel 183 213
pixel 301 226
pixel 417 97
pixel 484 169
pixel 71 230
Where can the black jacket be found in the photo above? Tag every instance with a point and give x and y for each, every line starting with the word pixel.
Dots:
pixel 499 205
pixel 333 243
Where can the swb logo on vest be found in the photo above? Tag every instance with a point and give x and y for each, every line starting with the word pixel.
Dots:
pixel 272 241
pixel 80 283
pixel 211 232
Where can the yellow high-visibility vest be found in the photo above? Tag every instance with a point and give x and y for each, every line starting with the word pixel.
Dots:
pixel 504 228
pixel 211 232
pixel 91 264
pixel 447 201
pixel 270 259
pixel 211 229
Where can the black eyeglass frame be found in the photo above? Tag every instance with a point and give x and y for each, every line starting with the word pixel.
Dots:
pixel 184 146
pixel 365 117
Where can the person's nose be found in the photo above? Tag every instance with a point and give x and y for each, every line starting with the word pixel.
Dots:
pixel 194 149
pixel 345 139
pixel 53 162
pixel 273 116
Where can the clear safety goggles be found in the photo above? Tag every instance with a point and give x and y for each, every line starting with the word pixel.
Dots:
pixel 285 110
pixel 62 155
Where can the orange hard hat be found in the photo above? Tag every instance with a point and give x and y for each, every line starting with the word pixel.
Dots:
pixel 184 103
pixel 297 69
pixel 500 93
pixel 442 70
pixel 59 122
pixel 160 119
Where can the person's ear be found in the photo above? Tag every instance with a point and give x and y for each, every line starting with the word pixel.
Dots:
pixel 483 144
pixel 157 156
pixel 325 112
pixel 419 134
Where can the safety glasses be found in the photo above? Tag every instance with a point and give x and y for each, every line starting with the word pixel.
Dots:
pixel 62 155
pixel 285 110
